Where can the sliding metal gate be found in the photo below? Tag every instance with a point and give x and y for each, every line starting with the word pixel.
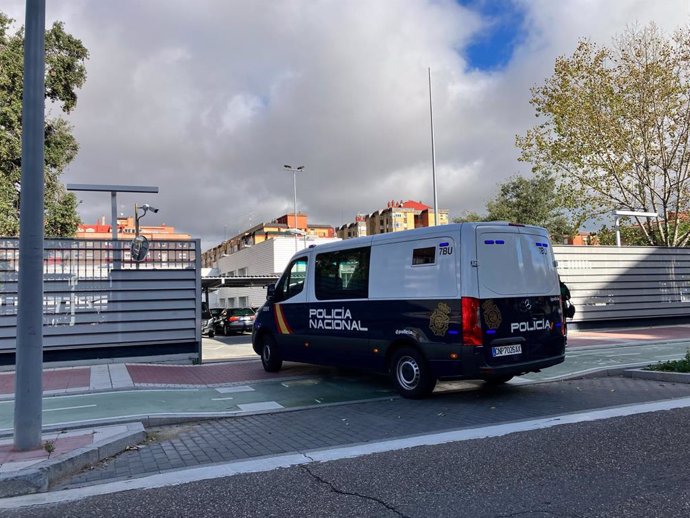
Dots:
pixel 98 302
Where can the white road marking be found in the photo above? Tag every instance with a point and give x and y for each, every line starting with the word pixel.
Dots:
pixel 221 398
pixel 238 388
pixel 67 408
pixel 283 461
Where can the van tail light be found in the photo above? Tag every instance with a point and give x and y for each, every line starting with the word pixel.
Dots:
pixel 471 324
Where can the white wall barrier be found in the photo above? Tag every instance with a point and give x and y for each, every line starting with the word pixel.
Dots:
pixel 626 283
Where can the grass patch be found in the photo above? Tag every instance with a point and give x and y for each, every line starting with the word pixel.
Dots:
pixel 682 365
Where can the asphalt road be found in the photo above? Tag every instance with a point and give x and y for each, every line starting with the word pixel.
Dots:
pixel 625 466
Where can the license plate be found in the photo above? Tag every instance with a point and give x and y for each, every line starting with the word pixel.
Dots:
pixel 506 350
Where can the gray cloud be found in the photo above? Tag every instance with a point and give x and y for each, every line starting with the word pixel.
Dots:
pixel 209 99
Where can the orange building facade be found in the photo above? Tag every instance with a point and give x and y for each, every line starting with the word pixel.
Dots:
pixel 126 229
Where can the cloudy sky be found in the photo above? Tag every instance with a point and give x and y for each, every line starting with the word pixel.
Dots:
pixel 209 99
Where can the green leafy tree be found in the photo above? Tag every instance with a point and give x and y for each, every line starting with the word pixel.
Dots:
pixel 531 201
pixel 65 73
pixel 468 216
pixel 631 234
pixel 615 130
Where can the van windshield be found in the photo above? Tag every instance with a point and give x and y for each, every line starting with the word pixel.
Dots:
pixel 515 264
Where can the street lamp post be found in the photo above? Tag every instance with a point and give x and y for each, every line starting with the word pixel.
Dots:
pixel 294 171
pixel 433 154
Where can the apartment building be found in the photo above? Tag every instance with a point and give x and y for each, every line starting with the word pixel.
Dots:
pixel 270 256
pixel 264 249
pixel 286 225
pixel 398 215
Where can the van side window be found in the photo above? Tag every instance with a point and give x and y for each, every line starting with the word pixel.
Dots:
pixel 424 255
pixel 292 281
pixel 343 274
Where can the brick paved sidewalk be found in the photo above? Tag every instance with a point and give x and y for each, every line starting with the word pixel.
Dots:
pixel 116 376
pixel 610 337
pixel 25 472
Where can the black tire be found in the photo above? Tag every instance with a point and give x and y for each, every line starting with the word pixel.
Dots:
pixel 270 354
pixel 498 379
pixel 211 334
pixel 411 374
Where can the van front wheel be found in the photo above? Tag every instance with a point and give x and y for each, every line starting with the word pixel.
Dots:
pixel 270 355
pixel 411 374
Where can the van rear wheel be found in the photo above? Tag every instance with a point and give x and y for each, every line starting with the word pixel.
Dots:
pixel 270 354
pixel 411 374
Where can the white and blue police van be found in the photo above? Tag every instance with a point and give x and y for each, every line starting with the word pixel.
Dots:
pixel 459 301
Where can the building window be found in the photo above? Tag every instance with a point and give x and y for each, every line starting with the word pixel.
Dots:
pixel 244 302
pixel 343 274
pixel 424 255
pixel 222 303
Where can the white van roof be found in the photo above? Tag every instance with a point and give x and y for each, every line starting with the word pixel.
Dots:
pixel 423 232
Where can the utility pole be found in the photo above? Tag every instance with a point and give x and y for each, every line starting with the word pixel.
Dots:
pixel 28 389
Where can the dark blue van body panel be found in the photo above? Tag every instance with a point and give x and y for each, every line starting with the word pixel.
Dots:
pixel 361 333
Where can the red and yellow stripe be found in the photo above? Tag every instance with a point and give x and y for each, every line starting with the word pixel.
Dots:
pixel 281 324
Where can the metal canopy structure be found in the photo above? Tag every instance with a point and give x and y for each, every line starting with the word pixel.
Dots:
pixel 246 281
pixel 113 190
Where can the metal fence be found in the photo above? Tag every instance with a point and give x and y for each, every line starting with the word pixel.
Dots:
pixel 626 283
pixel 95 296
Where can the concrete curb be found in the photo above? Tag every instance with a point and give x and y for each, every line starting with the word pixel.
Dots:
pixel 39 477
pixel 671 377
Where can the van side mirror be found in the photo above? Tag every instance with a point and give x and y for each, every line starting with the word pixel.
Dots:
pixel 270 291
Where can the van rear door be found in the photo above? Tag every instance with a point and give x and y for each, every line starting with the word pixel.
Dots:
pixel 519 294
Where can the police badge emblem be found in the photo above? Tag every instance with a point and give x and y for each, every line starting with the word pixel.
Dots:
pixel 438 322
pixel 492 315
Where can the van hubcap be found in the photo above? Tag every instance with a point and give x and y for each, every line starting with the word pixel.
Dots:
pixel 408 373
pixel 267 352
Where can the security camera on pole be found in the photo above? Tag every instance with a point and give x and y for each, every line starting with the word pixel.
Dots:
pixel 140 245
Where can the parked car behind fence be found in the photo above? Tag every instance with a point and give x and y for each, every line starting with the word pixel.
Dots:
pixel 235 320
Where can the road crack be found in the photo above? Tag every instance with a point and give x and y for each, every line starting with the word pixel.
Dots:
pixel 331 486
